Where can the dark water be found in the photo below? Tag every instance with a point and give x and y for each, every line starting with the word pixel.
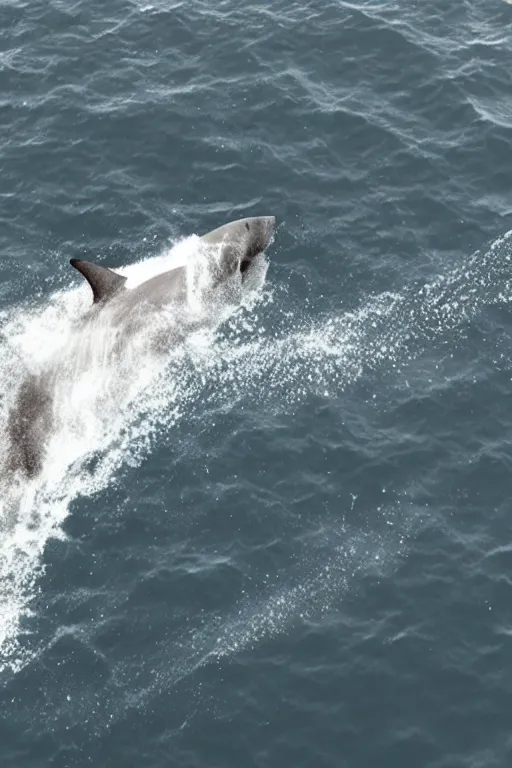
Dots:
pixel 293 549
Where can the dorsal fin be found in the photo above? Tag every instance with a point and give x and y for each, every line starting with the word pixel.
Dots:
pixel 103 281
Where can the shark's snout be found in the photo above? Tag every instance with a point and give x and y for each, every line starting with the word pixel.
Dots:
pixel 241 241
pixel 259 233
pixel 267 225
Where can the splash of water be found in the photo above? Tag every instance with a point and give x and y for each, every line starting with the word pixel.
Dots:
pixel 261 353
pixel 99 401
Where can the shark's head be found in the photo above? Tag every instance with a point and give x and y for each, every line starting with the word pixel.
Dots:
pixel 234 247
pixel 239 242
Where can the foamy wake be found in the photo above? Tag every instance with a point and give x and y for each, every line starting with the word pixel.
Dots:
pixel 115 414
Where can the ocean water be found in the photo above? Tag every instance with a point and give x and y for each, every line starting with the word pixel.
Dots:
pixel 288 541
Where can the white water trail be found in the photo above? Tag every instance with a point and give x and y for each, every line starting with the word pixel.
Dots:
pixel 98 401
pixel 115 412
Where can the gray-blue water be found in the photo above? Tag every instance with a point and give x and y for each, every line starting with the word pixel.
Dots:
pixel 292 547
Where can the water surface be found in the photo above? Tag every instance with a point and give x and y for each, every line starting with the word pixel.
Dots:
pixel 291 546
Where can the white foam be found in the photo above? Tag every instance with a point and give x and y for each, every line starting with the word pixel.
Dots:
pixel 97 404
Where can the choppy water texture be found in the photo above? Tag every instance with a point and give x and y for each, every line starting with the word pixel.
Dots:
pixel 287 543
